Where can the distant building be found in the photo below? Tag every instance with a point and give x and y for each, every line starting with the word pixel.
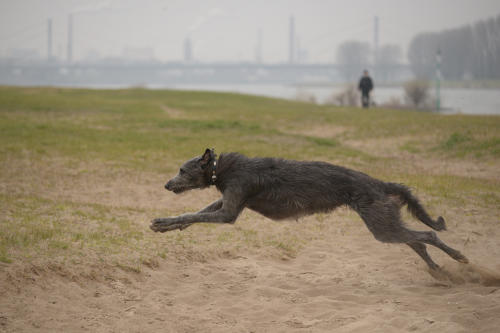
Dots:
pixel 188 50
pixel 92 56
pixel 302 56
pixel 23 54
pixel 138 54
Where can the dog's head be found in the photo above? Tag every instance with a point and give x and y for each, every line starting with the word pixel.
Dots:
pixel 194 173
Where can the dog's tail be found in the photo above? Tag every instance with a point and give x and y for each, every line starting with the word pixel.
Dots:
pixel 414 206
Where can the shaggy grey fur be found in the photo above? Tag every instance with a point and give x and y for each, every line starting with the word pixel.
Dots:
pixel 280 189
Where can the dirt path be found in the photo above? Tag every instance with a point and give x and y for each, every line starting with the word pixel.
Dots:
pixel 343 284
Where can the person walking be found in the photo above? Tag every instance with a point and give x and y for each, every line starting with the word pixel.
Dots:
pixel 365 86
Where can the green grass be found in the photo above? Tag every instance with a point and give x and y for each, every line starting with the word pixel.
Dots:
pixel 463 144
pixel 130 126
pixel 136 132
pixel 33 224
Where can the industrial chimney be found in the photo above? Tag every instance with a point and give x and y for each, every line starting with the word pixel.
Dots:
pixel 291 50
pixel 188 50
pixel 70 39
pixel 375 41
pixel 49 39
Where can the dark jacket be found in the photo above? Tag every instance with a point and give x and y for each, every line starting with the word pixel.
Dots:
pixel 365 85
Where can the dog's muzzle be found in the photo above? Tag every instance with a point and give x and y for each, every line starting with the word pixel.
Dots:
pixel 170 186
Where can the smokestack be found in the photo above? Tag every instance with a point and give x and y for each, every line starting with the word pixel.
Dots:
pixel 375 40
pixel 258 50
pixel 70 38
pixel 49 39
pixel 291 50
pixel 297 52
pixel 188 50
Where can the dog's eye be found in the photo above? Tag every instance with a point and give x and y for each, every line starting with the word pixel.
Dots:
pixel 182 171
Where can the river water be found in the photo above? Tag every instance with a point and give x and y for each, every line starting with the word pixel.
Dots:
pixel 467 101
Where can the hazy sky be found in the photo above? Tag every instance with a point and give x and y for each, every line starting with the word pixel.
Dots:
pixel 226 29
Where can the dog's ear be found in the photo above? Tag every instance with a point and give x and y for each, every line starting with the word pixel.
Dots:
pixel 205 158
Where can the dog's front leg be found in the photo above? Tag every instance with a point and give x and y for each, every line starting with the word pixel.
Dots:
pixel 216 205
pixel 183 221
pixel 169 223
pixel 228 212
pixel 174 221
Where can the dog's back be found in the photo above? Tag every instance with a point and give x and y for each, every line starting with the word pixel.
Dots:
pixel 279 188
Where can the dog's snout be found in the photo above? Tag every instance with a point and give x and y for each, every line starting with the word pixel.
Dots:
pixel 167 186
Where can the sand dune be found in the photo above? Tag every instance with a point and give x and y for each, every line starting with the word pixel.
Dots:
pixel 348 283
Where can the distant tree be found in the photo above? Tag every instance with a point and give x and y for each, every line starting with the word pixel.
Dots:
pixel 353 57
pixel 467 51
pixel 486 49
pixel 388 56
pixel 422 55
pixel 456 52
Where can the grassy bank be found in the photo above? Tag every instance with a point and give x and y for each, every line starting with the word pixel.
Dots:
pixel 81 171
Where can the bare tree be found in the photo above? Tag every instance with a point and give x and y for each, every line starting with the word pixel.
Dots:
pixel 349 96
pixel 353 57
pixel 422 54
pixel 417 92
pixel 467 51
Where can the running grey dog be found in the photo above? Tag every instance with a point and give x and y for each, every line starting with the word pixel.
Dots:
pixel 279 189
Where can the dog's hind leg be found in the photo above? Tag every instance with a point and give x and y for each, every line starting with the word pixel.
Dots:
pixel 383 220
pixel 421 250
pixel 430 237
pixel 414 205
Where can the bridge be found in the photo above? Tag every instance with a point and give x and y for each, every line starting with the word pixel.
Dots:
pixel 177 73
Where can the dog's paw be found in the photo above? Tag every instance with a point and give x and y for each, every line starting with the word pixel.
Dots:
pixel 165 228
pixel 170 227
pixel 156 224
pixel 163 225
pixel 463 259
pixel 156 221
pixel 440 224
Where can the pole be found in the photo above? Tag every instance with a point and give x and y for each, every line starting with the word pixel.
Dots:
pixel 49 39
pixel 258 55
pixel 70 39
pixel 438 80
pixel 291 51
pixel 375 41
